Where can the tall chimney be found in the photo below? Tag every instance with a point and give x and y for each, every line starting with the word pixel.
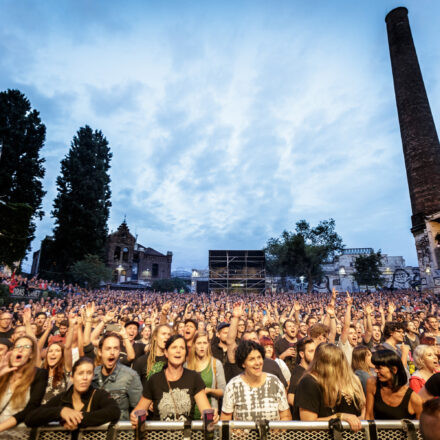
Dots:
pixel 421 146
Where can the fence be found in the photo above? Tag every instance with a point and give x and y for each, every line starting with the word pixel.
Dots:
pixel 380 430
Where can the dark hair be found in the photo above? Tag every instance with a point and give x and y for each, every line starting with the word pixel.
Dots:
pixel 39 314
pixel 109 335
pixel 389 359
pixel 64 323
pixel 391 327
pixel 244 349
pixel 428 340
pixel 301 345
pixel 174 338
pixel 428 429
pixel 132 323
pixel 80 361
pixel 193 321
pixel 287 321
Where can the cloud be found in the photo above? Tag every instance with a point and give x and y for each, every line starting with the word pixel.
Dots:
pixel 227 124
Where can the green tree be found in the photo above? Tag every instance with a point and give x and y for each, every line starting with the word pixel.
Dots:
pixel 367 269
pixel 169 285
pixel 90 271
pixel 81 208
pixel 22 136
pixel 304 251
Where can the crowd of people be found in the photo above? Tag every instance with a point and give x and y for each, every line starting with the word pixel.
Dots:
pixel 85 358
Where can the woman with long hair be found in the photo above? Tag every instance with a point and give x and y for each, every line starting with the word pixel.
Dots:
pixel 80 406
pixel 254 395
pixel 22 387
pixel 426 362
pixel 155 360
pixel 330 389
pixel 58 363
pixel 200 359
pixel 362 365
pixel 175 390
pixel 388 395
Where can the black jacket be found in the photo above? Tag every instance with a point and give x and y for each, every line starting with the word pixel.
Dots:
pixel 103 409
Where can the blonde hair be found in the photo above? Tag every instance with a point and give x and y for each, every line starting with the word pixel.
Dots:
pixel 192 351
pixel 335 377
pixel 152 355
pixel 27 371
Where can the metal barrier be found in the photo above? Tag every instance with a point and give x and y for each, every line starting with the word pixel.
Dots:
pixel 234 430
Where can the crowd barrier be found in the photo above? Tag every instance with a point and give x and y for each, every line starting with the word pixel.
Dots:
pixel 379 430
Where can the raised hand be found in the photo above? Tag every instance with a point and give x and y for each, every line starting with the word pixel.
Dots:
pixel 109 316
pixel 4 364
pixel 238 309
pixel 331 310
pixel 349 299
pixel 167 307
pixel 27 315
pixel 90 310
pixel 369 309
pixel 391 308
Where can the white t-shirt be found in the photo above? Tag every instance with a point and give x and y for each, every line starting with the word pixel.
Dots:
pixel 347 348
pixel 255 404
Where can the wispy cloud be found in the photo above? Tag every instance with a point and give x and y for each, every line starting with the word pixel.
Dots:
pixel 228 123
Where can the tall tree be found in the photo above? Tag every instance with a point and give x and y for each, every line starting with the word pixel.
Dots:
pixel 367 269
pixel 81 208
pixel 304 251
pixel 22 135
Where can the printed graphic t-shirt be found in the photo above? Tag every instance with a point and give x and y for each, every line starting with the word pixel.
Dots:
pixel 180 398
pixel 255 403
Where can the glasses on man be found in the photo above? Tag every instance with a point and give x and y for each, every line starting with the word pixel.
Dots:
pixel 22 347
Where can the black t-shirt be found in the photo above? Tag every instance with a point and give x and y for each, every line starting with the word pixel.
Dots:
pixel 140 365
pixel 309 396
pixel 139 349
pixel 7 334
pixel 432 385
pixel 281 345
pixel 179 399
pixel 297 374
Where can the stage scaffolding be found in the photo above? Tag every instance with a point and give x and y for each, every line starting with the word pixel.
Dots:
pixel 242 272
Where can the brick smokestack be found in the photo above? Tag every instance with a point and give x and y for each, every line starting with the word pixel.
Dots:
pixel 421 146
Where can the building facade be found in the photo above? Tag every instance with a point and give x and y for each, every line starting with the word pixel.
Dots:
pixel 131 261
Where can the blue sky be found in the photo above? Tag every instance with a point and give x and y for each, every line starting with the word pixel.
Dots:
pixel 228 121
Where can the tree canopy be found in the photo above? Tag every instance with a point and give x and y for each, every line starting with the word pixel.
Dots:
pixel 302 253
pixel 90 271
pixel 22 136
pixel 81 208
pixel 367 269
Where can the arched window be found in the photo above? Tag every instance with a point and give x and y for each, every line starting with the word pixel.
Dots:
pixel 117 254
pixel 155 270
pixel 125 254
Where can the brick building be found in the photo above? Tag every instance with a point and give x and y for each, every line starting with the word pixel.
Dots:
pixel 130 261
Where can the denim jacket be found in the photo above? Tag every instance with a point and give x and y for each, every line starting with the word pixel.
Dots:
pixel 124 386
